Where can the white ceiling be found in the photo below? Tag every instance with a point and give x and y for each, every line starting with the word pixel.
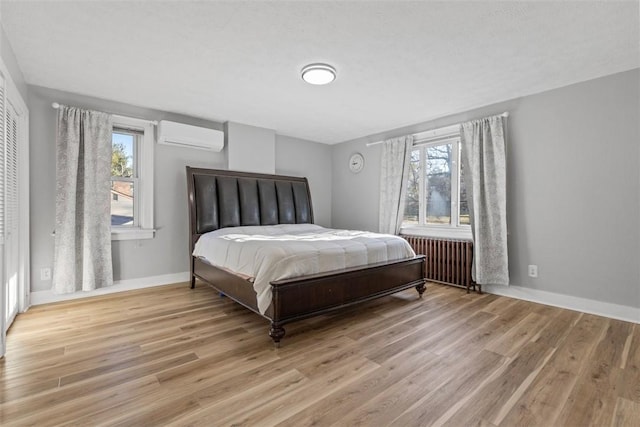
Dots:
pixel 399 63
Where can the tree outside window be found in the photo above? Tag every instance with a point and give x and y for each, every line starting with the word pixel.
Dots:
pixel 436 194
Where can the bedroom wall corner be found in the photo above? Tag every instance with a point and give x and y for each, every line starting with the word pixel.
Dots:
pixel 298 157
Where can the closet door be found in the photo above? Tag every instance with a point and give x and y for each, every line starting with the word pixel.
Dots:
pixel 11 213
pixel 5 310
pixel 14 204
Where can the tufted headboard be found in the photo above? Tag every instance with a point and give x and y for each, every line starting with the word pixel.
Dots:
pixel 222 198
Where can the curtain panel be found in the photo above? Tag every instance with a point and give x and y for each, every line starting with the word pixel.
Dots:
pixel 82 254
pixel 484 162
pixel 394 177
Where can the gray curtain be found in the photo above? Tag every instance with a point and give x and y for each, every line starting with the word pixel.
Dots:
pixel 394 174
pixel 82 255
pixel 484 162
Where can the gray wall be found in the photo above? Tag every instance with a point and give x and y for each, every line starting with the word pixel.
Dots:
pixel 167 252
pixel 251 149
pixel 298 157
pixel 9 60
pixel 356 196
pixel 573 187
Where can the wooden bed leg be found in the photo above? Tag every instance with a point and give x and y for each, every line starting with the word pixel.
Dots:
pixel 276 333
pixel 191 269
pixel 421 288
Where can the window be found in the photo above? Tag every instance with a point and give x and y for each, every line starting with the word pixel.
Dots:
pixel 131 179
pixel 436 194
pixel 124 177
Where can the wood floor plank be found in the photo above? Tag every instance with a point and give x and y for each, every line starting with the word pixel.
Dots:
pixel 71 404
pixel 523 331
pixel 281 408
pixel 336 405
pixel 384 407
pixel 483 335
pixel 446 321
pixel 23 389
pixel 61 366
pixel 175 356
pixel 488 401
pixel 221 411
pixel 629 383
pixel 560 325
pixel 626 413
pixel 550 389
pixel 462 333
pixel 461 382
pixel 593 399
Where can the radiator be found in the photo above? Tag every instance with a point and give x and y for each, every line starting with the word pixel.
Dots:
pixel 448 261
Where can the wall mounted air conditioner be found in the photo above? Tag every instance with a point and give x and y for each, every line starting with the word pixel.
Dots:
pixel 179 134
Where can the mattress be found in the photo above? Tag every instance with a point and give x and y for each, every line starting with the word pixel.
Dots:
pixel 263 254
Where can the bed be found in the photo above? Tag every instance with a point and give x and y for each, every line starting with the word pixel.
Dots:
pixel 221 199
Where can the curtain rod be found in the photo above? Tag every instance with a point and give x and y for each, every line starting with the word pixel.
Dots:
pixel 56 106
pixel 370 144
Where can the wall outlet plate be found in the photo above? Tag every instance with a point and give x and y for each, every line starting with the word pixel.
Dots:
pixel 45 273
pixel 533 270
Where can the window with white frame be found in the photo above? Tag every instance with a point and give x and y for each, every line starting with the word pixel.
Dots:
pixel 131 179
pixel 436 193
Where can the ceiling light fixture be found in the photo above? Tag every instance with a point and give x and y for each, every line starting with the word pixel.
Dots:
pixel 318 74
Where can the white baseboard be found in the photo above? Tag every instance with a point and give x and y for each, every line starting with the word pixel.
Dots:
pixel 606 309
pixel 45 297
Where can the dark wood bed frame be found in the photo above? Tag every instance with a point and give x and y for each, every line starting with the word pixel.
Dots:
pixel 221 198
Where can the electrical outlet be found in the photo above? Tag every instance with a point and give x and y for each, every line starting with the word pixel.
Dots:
pixel 533 270
pixel 45 273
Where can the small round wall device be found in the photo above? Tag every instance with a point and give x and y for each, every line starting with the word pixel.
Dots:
pixel 356 162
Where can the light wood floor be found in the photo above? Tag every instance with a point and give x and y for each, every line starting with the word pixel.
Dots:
pixel 173 356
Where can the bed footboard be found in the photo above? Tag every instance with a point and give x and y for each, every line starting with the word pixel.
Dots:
pixel 306 296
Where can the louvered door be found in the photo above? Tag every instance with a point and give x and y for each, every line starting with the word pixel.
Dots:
pixel 11 213
pixel 9 216
pixel 7 311
pixel 14 204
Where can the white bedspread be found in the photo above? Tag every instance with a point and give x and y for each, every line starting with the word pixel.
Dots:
pixel 268 253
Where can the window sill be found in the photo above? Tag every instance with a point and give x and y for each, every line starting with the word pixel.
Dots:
pixel 132 233
pixel 442 232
